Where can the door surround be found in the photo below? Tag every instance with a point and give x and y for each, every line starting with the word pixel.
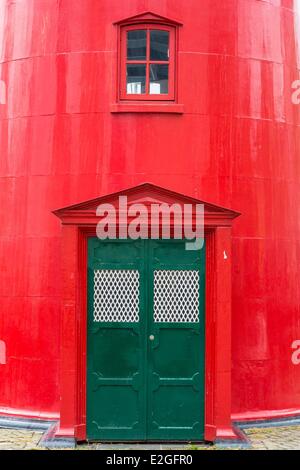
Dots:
pixel 78 224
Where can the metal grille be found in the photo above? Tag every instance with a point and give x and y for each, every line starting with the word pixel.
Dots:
pixel 176 296
pixel 116 296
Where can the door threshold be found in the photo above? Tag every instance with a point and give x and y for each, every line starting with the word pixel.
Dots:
pixel 193 442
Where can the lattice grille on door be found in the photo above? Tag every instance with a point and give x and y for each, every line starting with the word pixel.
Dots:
pixel 116 296
pixel 176 296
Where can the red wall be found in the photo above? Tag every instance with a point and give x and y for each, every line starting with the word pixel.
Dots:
pixel 237 145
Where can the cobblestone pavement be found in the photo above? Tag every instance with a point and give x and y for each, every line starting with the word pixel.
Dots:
pixel 15 439
pixel 276 438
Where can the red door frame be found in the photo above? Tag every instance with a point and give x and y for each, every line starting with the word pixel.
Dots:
pixel 78 223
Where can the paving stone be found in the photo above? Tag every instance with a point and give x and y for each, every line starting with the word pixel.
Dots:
pixel 275 438
pixel 13 439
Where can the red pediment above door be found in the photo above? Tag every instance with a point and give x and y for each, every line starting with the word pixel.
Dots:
pixel 146 194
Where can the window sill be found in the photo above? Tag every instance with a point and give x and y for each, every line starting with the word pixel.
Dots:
pixel 147 108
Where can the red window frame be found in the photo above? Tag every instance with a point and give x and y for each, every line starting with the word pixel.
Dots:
pixel 123 95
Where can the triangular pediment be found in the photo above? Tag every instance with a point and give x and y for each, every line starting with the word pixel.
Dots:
pixel 147 194
pixel 148 17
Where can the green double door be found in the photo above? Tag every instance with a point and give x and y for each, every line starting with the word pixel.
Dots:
pixel 145 355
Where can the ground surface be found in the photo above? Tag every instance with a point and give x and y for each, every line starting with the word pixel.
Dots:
pixel 276 438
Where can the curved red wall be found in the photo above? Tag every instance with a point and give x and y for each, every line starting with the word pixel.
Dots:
pixel 237 145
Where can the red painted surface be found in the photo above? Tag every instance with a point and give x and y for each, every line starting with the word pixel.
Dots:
pixel 234 142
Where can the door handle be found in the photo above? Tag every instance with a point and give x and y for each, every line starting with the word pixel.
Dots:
pixel 151 337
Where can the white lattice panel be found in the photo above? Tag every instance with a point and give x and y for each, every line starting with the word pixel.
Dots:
pixel 116 296
pixel 176 296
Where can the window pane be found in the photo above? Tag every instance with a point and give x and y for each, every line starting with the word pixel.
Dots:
pixel 136 45
pixel 159 79
pixel 136 79
pixel 159 45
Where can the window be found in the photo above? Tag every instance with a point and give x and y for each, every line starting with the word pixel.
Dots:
pixel 147 62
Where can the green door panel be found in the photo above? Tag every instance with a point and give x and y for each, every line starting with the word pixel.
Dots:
pixel 176 355
pixel 116 391
pixel 145 370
